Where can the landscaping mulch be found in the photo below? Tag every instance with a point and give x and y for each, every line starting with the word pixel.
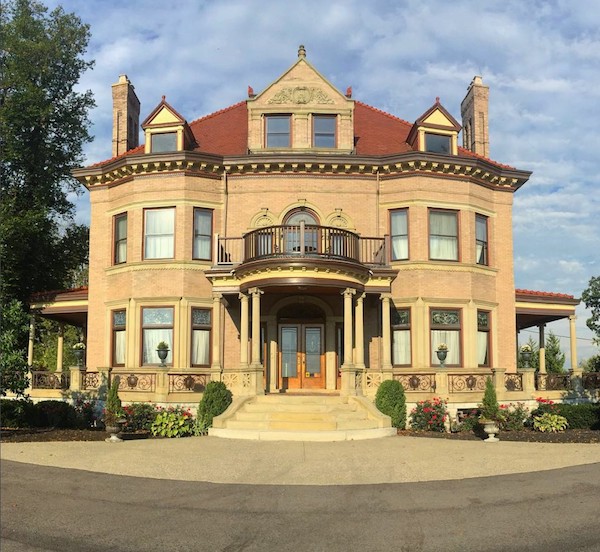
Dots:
pixel 50 434
pixel 525 436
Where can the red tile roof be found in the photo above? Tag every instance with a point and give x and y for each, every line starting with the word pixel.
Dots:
pixel 225 132
pixel 543 293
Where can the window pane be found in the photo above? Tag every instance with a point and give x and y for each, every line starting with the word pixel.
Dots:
pixel 201 347
pixel 482 348
pixel 202 234
pixel 399 232
pixel 164 142
pixel 118 318
pixel 278 131
pixel 452 339
pixel 151 338
pixel 436 143
pixel 201 317
pixel 401 347
pixel 119 352
pixel 324 131
pixel 159 233
pixel 157 317
pixel 120 245
pixel 481 240
pixel 443 238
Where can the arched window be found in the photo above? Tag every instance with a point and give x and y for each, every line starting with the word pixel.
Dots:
pixel 301 226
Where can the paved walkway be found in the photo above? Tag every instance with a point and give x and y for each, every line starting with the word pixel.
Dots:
pixel 386 460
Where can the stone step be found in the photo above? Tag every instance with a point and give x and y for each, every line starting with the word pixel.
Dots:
pixel 335 414
pixel 297 407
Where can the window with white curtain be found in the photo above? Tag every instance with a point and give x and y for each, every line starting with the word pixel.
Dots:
pixel 443 235
pixel 401 352
pixel 119 337
pixel 399 234
pixel 202 234
pixel 483 338
pixel 157 326
pixel 201 327
pixel 120 239
pixel 445 327
pixel 481 239
pixel 159 233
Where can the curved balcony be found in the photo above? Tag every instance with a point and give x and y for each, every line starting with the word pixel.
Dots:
pixel 302 241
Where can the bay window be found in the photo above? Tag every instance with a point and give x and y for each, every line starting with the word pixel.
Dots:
pixel 157 326
pixel 201 328
pixel 159 233
pixel 401 351
pixel 399 234
pixel 202 234
pixel 445 327
pixel 443 235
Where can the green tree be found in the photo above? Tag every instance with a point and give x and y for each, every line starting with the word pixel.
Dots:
pixel 591 299
pixel 13 360
pixel 46 346
pixel 43 127
pixel 555 358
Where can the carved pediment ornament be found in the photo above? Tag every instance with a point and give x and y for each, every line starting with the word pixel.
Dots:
pixel 301 95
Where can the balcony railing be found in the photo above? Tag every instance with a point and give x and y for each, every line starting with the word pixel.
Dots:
pixel 299 242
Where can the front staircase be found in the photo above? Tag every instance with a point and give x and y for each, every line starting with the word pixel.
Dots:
pixel 302 418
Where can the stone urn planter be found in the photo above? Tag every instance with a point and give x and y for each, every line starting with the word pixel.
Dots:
pixel 490 427
pixel 442 353
pixel 114 429
pixel 162 350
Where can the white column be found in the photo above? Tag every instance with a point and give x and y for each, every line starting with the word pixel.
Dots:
pixel 244 330
pixel 256 364
pixel 386 332
pixel 31 341
pixel 59 347
pixel 573 343
pixel 359 332
pixel 216 336
pixel 348 376
pixel 542 347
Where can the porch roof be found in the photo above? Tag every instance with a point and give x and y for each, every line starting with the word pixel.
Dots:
pixel 68 306
pixel 534 308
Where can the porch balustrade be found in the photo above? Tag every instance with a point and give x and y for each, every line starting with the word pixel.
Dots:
pixel 50 380
pixel 291 242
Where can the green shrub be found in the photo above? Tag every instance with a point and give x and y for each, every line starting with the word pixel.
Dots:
pixel 139 417
pixel 172 422
pixel 17 413
pixel 58 414
pixel 489 407
pixel 550 423
pixel 543 406
pixel 429 415
pixel 112 409
pixel 390 400
pixel 215 401
pixel 580 416
pixel 513 417
pixel 468 421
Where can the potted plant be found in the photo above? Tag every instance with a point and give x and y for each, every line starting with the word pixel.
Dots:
pixel 113 412
pixel 442 353
pixel 162 349
pixel 489 412
pixel 79 351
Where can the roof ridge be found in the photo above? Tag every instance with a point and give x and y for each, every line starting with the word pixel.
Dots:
pixel 377 110
pixel 219 112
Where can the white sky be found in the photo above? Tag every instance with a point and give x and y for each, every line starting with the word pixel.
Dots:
pixel 541 60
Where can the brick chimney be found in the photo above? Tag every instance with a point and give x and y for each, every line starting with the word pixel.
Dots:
pixel 126 117
pixel 474 112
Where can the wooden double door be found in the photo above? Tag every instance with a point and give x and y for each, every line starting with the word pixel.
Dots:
pixel 301 356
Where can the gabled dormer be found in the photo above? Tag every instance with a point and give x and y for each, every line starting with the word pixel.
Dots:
pixel 166 130
pixel 436 131
pixel 301 112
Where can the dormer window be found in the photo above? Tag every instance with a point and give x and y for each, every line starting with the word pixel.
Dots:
pixel 165 141
pixel 324 127
pixel 438 143
pixel 277 129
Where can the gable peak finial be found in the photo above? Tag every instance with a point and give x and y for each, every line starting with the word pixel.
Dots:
pixel 301 51
pixel 437 99
pixel 164 98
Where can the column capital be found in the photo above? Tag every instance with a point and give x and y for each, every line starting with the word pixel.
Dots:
pixel 242 296
pixel 385 296
pixel 256 291
pixel 361 296
pixel 348 292
pixel 572 317
pixel 217 296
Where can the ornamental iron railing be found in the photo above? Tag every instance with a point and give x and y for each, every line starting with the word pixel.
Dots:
pixel 590 380
pixel 466 383
pixel 287 241
pixel 513 382
pixel 417 382
pixel 188 383
pixel 552 382
pixel 91 380
pixel 50 380
pixel 135 382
